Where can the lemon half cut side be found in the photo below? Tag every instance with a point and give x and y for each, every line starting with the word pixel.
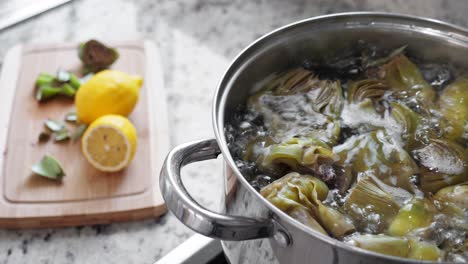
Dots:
pixel 109 143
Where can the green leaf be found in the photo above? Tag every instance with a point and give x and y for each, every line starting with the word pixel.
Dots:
pixel 62 135
pixel 54 126
pixel 79 132
pixel 63 76
pixel 46 91
pixel 49 168
pixel 44 78
pixel 67 90
pixel 71 117
pixel 74 82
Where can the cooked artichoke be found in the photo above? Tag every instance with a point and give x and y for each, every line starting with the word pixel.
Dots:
pixel 297 103
pixel 457 195
pixel 409 120
pixel 381 154
pixel 394 246
pixel 454 108
pixel 371 208
pixel 416 214
pixel 325 96
pixel 407 82
pixel 368 94
pixel 307 155
pixel 299 195
pixel 443 163
pixel 422 250
pixel 397 246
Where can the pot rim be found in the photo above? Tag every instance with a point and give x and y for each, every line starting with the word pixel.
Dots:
pixel 454 32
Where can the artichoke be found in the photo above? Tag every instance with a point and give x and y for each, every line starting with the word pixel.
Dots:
pixel 421 250
pixel 297 103
pixel 416 214
pixel 369 94
pixel 443 163
pixel 96 56
pixel 407 82
pixel 371 208
pixel 454 109
pixel 397 246
pixel 394 246
pixel 325 96
pixel 409 121
pixel 307 155
pixel 380 154
pixel 457 195
pixel 300 196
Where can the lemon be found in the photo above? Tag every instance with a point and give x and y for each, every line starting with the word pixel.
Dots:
pixel 109 143
pixel 107 92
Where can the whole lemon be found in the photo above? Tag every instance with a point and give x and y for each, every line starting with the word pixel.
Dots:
pixel 107 92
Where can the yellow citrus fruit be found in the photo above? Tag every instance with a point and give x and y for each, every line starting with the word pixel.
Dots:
pixel 107 92
pixel 109 143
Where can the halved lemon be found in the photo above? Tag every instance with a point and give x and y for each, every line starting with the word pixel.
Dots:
pixel 109 143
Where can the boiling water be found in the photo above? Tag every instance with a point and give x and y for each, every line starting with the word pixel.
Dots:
pixel 247 125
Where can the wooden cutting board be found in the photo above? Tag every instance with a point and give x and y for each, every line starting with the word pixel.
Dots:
pixel 85 196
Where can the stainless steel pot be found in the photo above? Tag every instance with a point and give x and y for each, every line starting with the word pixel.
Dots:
pixel 253 230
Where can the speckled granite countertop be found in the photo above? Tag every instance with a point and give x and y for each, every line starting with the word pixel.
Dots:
pixel 197 39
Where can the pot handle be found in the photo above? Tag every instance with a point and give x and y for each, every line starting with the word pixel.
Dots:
pixel 195 216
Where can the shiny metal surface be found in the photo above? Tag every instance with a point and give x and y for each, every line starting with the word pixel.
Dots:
pixel 318 39
pixel 192 214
